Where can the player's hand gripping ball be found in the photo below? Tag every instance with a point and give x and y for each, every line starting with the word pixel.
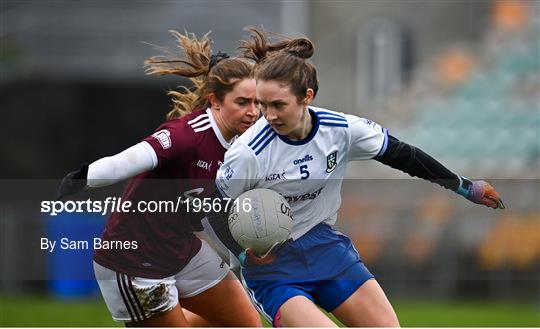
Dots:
pixel 481 192
pixel 260 221
pixel 248 257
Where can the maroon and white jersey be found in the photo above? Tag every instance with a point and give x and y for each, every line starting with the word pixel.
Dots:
pixel 189 152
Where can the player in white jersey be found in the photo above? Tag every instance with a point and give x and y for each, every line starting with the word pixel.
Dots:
pixel 301 152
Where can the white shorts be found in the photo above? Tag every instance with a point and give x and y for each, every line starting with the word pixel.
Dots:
pixel 136 299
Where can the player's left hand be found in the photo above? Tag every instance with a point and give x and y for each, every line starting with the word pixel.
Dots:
pixel 481 192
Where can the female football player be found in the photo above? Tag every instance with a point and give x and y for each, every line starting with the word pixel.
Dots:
pixel 169 268
pixel 302 152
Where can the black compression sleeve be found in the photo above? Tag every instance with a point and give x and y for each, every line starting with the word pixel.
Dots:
pixel 220 225
pixel 417 163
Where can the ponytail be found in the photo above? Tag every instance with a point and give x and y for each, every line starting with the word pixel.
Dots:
pixel 284 60
pixel 259 45
pixel 208 73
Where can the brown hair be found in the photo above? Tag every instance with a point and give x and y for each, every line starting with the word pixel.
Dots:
pixel 209 74
pixel 284 60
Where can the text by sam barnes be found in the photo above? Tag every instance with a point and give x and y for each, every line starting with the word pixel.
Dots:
pixel 96 243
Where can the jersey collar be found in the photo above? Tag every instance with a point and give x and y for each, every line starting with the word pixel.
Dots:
pixel 215 127
pixel 311 134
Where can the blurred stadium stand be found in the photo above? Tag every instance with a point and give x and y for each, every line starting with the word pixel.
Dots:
pixel 89 40
pixel 492 104
pixel 72 89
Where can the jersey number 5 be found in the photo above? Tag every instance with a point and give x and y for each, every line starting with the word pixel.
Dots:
pixel 304 172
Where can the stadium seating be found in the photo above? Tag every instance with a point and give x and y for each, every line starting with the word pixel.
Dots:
pixel 491 118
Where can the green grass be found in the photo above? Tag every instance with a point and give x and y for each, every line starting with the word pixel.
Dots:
pixel 466 314
pixel 42 311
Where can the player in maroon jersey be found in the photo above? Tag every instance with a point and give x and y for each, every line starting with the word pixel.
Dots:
pixel 168 269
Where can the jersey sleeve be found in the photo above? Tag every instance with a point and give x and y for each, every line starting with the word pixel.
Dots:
pixel 171 143
pixel 131 162
pixel 239 171
pixel 367 138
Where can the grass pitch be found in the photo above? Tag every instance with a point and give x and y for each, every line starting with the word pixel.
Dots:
pixel 43 311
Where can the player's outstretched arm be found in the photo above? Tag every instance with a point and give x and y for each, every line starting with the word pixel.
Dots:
pixel 109 170
pixel 417 163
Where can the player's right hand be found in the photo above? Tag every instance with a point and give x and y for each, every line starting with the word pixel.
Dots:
pixel 249 258
pixel 73 182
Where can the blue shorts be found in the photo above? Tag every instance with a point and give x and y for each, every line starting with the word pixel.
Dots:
pixel 321 265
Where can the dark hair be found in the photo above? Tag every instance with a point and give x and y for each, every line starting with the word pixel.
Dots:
pixel 217 74
pixel 284 60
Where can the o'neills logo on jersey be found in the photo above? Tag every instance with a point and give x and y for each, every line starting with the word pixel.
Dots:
pixel 163 137
pixel 303 197
pixel 331 162
pixel 304 159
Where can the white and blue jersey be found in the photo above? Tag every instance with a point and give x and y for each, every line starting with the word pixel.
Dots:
pixel 320 263
pixel 308 173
